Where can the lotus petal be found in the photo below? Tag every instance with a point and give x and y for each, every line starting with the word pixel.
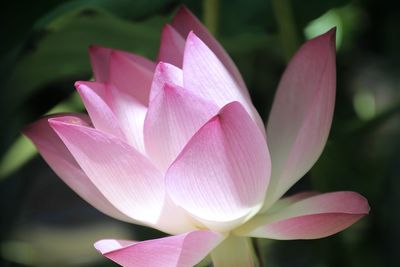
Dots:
pixel 172 119
pixel 308 218
pixel 174 251
pixel 222 173
pixel 301 114
pixel 125 177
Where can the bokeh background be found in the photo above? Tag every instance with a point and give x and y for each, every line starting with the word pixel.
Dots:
pixel 43 51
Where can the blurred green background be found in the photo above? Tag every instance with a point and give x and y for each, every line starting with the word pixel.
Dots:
pixel 43 51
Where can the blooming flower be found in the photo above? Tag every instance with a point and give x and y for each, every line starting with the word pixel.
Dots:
pixel 178 146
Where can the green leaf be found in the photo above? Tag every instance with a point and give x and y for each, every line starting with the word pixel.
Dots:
pixel 61 51
pixel 60 55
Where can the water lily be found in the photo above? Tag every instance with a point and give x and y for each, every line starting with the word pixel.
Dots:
pixel 177 145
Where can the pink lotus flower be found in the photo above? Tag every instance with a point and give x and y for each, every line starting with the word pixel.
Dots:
pixel 178 146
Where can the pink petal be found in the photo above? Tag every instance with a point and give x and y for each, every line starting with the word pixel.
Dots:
pixel 205 75
pixel 102 116
pixel 100 89
pixel 235 251
pixel 100 60
pixel 222 173
pixel 125 177
pixel 185 22
pixel 130 114
pixel 64 165
pixel 301 114
pixel 172 46
pixel 172 119
pixel 130 76
pixel 165 73
pixel 129 86
pixel 174 251
pixel 309 218
pixel 114 111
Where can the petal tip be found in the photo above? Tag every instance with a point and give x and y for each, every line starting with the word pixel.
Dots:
pixel 28 130
pixel 182 11
pixel 324 41
pixel 65 121
pixel 106 246
pixel 99 246
pixel 33 129
pixel 161 66
pixel 77 84
pixel 167 28
pixel 81 86
pixel 332 31
pixel 94 48
pixel 328 37
pixel 331 35
pixel 357 201
pixel 234 105
pixel 365 207
pixel 192 37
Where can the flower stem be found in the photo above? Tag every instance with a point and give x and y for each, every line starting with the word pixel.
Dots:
pixel 287 27
pixel 211 10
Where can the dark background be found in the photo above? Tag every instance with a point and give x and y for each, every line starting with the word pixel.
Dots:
pixel 43 51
